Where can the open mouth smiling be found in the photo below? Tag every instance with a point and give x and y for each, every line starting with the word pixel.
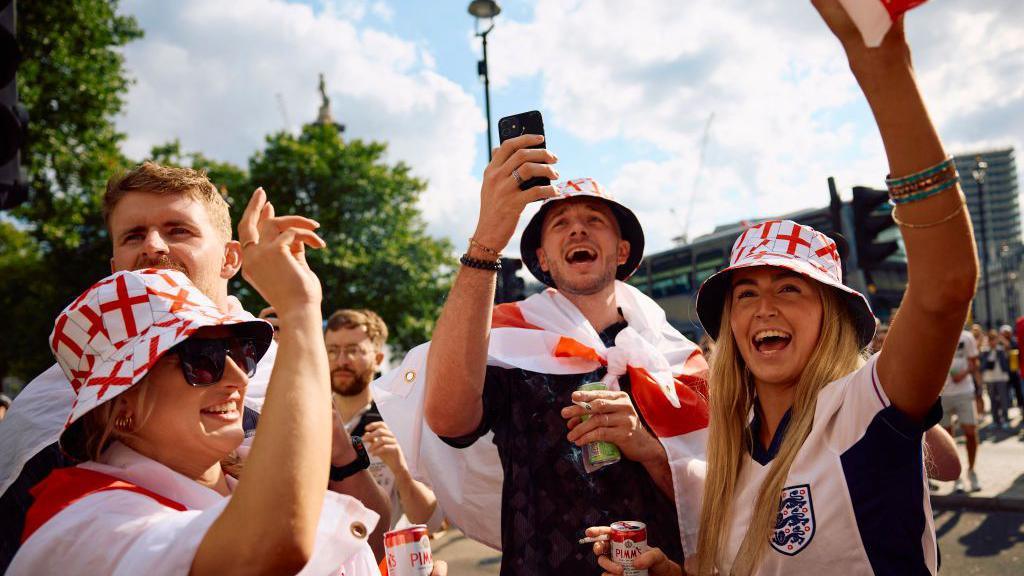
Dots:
pixel 771 340
pixel 580 254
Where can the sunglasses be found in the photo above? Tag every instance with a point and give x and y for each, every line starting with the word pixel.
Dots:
pixel 203 359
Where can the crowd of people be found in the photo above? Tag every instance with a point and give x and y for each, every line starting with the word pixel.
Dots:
pixel 178 433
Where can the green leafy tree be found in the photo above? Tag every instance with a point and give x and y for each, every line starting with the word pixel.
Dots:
pixel 72 81
pixel 378 253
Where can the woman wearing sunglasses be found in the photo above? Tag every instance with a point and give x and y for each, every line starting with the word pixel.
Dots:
pixel 160 375
pixel 814 460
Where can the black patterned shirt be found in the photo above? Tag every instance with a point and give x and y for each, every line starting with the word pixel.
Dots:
pixel 548 499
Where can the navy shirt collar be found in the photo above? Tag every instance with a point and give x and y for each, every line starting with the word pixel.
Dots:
pixel 757 450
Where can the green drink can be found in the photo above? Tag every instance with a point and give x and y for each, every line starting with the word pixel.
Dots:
pixel 597 455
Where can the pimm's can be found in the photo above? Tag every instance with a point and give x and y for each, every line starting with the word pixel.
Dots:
pixel 408 552
pixel 628 540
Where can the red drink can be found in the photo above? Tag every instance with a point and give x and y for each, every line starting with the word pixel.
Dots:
pixel 628 540
pixel 408 552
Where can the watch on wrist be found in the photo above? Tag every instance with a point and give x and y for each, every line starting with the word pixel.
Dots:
pixel 362 462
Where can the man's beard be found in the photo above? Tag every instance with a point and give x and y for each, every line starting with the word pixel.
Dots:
pixel 572 284
pixel 353 387
pixel 163 262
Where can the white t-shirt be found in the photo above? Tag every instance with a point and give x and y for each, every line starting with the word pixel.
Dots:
pixel 124 532
pixel 966 349
pixel 856 500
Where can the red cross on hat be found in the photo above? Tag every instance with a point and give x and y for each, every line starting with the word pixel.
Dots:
pixel 794 238
pixel 149 311
pixel 124 303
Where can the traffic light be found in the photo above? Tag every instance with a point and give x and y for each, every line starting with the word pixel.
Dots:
pixel 511 288
pixel 869 220
pixel 13 118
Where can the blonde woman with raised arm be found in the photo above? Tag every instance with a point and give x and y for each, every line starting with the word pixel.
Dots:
pixel 815 451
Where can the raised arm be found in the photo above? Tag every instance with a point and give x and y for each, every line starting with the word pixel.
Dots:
pixel 270 523
pixel 458 354
pixel 941 261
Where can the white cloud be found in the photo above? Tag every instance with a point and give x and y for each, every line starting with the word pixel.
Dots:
pixel 212 73
pixel 787 111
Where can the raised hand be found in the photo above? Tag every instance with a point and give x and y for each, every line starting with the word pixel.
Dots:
pixel 274 257
pixel 501 200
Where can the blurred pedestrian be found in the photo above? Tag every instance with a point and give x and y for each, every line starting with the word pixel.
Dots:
pixel 958 403
pixel 1015 380
pixel 980 336
pixel 995 361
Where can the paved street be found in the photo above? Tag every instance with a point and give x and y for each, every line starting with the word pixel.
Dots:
pixel 464 556
pixel 980 543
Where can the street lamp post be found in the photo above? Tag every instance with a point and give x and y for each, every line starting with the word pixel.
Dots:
pixel 484 11
pixel 979 179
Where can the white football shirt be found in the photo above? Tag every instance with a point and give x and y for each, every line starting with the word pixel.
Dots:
pixel 856 500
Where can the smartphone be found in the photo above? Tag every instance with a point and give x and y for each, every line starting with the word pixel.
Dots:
pixel 525 123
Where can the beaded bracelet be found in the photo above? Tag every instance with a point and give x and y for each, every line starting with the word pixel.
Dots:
pixel 893 182
pixel 468 262
pixel 927 193
pixel 923 184
pixel 942 176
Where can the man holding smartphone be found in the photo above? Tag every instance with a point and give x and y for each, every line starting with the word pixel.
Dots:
pixel 580 243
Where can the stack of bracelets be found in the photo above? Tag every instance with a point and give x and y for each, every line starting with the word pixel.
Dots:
pixel 468 262
pixel 921 185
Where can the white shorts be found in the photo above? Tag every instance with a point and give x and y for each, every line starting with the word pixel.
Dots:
pixel 961 406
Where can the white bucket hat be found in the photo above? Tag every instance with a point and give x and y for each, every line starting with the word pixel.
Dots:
pixel 784 244
pixel 629 227
pixel 109 338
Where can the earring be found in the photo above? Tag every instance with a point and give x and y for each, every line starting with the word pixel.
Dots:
pixel 124 423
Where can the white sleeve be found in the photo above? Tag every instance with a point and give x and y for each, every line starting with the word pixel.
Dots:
pixel 121 532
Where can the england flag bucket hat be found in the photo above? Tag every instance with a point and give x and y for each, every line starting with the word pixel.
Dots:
pixel 784 244
pixel 629 227
pixel 109 338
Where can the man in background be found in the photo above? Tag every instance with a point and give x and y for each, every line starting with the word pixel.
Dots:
pixel 355 342
pixel 958 397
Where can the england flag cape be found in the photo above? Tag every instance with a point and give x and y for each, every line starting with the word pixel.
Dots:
pixel 547 334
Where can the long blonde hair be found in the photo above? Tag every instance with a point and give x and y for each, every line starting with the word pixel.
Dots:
pixel 731 398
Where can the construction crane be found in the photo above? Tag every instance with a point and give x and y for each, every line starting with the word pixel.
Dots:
pixel 683 238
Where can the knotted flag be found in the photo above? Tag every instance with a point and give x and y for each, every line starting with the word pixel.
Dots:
pixel 547 334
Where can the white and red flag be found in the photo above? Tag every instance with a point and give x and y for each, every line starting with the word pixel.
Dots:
pixel 874 17
pixel 547 334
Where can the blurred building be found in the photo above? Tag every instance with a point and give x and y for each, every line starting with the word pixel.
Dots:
pixel 673 276
pixel 997 200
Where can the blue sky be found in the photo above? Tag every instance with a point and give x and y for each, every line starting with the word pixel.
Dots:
pixel 626 90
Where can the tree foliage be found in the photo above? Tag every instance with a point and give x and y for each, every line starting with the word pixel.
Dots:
pixel 72 81
pixel 378 254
